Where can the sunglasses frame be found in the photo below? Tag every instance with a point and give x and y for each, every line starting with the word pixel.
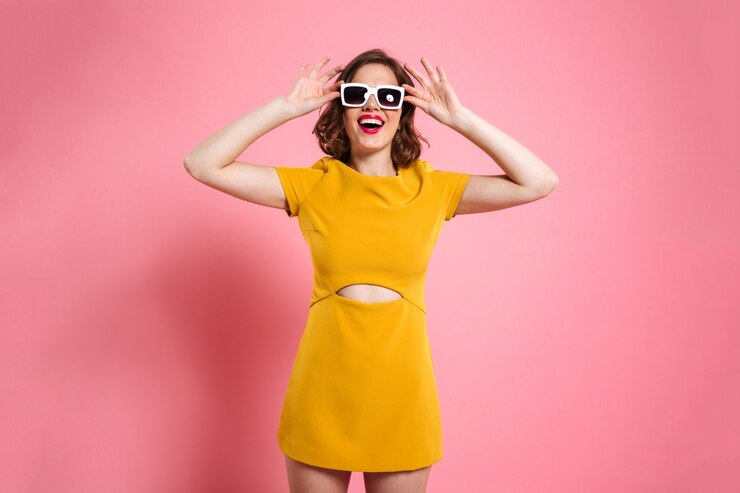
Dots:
pixel 372 91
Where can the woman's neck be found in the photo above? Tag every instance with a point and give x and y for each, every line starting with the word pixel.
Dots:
pixel 375 164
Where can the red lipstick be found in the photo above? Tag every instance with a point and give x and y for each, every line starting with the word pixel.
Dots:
pixel 375 121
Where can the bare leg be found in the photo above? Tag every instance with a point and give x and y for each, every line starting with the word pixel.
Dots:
pixel 397 482
pixel 305 478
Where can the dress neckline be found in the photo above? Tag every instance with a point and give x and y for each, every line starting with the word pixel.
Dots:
pixel 353 171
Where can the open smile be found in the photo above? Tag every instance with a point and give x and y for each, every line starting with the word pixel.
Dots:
pixel 370 124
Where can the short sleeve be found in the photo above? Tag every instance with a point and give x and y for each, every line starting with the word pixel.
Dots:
pixel 451 185
pixel 297 184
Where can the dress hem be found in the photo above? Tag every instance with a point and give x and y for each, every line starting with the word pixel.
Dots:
pixel 319 459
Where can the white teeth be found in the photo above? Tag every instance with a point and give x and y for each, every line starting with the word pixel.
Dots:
pixel 369 120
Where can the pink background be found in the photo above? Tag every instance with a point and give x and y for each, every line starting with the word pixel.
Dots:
pixel 587 342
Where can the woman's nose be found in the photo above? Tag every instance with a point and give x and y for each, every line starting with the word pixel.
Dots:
pixel 371 102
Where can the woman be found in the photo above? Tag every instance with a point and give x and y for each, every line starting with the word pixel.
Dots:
pixel 362 395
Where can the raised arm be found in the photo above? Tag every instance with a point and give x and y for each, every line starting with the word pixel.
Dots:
pixel 527 177
pixel 212 162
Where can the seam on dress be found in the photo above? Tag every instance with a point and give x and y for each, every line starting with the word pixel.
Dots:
pixel 320 299
pixel 313 187
pixel 414 304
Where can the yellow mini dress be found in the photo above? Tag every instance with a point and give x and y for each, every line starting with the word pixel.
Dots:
pixel 362 394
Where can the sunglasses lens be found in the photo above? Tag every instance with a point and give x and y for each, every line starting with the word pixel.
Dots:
pixel 390 98
pixel 355 95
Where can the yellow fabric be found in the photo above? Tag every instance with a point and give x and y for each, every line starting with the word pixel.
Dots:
pixel 362 394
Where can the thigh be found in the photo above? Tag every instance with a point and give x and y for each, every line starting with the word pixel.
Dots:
pixel 397 482
pixel 305 478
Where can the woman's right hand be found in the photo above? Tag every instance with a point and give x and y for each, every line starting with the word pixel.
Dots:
pixel 309 93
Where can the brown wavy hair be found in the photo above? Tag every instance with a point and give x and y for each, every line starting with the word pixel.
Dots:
pixel 330 131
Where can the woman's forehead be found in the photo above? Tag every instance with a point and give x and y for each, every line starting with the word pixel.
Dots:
pixel 374 74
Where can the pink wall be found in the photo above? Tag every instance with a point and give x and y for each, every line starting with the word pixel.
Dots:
pixel 587 342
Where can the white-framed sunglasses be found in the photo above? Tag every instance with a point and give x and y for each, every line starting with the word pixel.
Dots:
pixel 355 94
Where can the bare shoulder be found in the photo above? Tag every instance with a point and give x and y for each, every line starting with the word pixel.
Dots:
pixel 254 183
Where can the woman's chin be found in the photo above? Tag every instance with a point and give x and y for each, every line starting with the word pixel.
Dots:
pixel 371 141
pixel 365 146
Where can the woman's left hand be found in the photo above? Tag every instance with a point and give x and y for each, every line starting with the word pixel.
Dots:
pixel 436 97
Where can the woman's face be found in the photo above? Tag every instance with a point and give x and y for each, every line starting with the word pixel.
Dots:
pixel 362 141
